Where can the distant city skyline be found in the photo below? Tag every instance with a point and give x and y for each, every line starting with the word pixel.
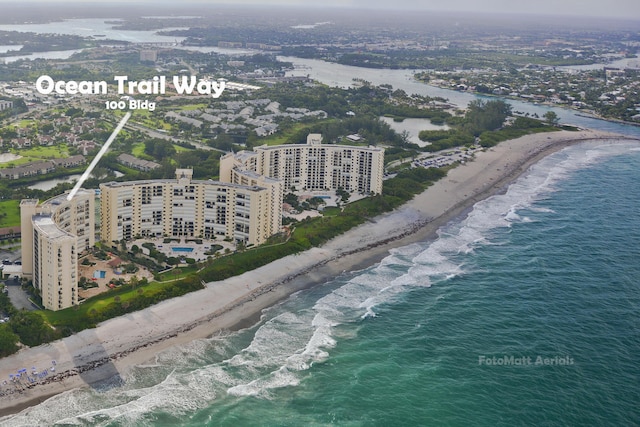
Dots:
pixel 629 9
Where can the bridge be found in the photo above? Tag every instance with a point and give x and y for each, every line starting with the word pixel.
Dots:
pixel 158 44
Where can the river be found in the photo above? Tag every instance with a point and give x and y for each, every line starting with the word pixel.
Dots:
pixel 93 27
pixel 326 72
pixel 100 29
pixel 86 27
pixel 339 75
pixel 413 127
pixel 48 184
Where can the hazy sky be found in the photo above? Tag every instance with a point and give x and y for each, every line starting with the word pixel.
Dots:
pixel 623 8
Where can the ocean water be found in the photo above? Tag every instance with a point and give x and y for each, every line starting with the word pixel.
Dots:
pixel 524 312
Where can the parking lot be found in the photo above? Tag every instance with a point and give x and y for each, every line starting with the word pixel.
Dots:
pixel 11 261
pixel 19 298
pixel 10 253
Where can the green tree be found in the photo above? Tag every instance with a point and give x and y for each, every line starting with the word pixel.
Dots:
pixel 482 116
pixel 5 304
pixel 159 149
pixel 292 200
pixel 344 195
pixel 31 328
pixel 551 118
pixel 8 341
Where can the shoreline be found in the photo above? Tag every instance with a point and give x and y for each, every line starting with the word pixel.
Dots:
pixel 580 112
pixel 108 351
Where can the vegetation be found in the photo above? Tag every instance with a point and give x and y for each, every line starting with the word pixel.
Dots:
pixel 466 59
pixel 31 328
pixel 38 153
pixel 9 213
pixel 368 102
pixel 521 126
pixel 128 298
pixel 32 42
pixel 8 340
pixel 485 120
pixel 26 327
pixel 5 304
pixel 484 116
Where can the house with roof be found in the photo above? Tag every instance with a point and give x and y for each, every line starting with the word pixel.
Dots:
pixel 133 162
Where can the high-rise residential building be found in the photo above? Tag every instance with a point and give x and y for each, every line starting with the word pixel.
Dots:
pixel 54 233
pixel 183 207
pixel 244 206
pixel 311 166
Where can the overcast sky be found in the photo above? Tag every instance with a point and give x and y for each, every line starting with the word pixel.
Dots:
pixel 629 9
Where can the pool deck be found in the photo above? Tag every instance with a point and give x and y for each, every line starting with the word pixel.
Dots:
pixel 198 252
pixel 88 270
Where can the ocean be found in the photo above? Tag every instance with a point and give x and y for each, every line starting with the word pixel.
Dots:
pixel 522 312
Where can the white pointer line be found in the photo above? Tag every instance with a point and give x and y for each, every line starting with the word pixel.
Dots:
pixel 96 159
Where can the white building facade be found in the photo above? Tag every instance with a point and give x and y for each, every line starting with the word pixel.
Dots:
pixel 312 166
pixel 53 235
pixel 190 209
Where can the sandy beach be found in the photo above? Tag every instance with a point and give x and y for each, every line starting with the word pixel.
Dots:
pixel 108 351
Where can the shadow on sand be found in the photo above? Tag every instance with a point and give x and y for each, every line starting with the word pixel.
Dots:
pixel 94 365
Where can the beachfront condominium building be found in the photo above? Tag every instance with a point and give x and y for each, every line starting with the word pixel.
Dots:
pixel 312 166
pixel 53 234
pixel 183 207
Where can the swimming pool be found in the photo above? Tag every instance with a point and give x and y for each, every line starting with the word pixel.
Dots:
pixel 178 249
pixel 99 274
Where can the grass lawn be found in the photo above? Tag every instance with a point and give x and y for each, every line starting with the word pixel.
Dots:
pixel 281 137
pixel 178 273
pixel 138 149
pixel 17 162
pixel 41 153
pixel 189 107
pixel 150 119
pixel 162 125
pixel 37 153
pixel 24 123
pixel 156 124
pixel 9 213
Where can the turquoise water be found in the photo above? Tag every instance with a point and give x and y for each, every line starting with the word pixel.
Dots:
pixel 178 249
pixel 548 271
